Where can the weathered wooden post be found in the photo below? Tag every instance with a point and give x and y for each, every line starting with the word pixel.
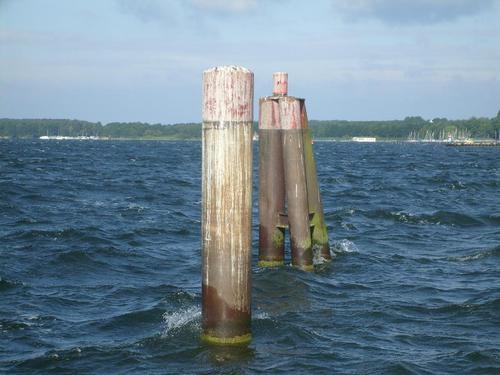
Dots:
pixel 295 182
pixel 227 204
pixel 271 185
pixel 318 226
pixel 280 84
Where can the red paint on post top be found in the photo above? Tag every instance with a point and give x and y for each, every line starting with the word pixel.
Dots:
pixel 269 114
pixel 290 116
pixel 227 94
pixel 280 83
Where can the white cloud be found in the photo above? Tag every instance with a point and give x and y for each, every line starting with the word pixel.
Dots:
pixel 226 6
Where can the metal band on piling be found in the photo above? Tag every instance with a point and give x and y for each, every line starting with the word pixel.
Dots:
pixel 227 205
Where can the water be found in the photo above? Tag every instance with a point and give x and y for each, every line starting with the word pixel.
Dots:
pixel 100 264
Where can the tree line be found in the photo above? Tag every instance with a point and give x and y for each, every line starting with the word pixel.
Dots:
pixel 35 128
pixel 480 128
pixel 333 129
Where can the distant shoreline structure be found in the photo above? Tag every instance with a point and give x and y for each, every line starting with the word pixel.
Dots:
pixel 79 138
pixel 364 139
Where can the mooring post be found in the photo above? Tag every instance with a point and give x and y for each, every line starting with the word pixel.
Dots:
pixel 280 84
pixel 227 204
pixel 295 182
pixel 319 230
pixel 271 185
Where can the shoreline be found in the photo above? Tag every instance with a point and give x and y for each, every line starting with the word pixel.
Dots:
pixel 472 143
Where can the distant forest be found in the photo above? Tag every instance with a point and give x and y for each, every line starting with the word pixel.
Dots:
pixel 415 127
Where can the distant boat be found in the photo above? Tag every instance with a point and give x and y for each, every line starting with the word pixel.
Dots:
pixel 255 137
pixel 364 139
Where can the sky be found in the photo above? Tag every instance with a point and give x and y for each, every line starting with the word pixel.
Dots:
pixel 142 60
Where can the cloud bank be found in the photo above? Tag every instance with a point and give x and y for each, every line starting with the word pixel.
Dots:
pixel 157 10
pixel 411 11
pixel 146 10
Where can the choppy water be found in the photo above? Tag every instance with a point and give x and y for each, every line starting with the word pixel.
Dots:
pixel 100 264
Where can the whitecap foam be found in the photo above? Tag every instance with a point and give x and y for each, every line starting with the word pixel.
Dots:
pixel 317 257
pixel 176 320
pixel 344 246
pixel 261 315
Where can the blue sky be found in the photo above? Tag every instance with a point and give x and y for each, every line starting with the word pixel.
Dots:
pixel 142 60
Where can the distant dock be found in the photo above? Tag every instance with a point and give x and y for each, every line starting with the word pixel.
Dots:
pixel 65 138
pixel 470 143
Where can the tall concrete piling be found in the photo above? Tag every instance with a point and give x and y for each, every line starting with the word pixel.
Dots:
pixel 271 177
pixel 295 182
pixel 319 230
pixel 227 205
pixel 271 185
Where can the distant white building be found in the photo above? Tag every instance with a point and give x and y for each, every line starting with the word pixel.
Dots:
pixel 364 139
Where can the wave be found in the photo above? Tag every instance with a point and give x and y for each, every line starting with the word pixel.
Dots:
pixel 133 318
pixel 8 284
pixel 87 234
pixel 342 247
pixel 487 355
pixel 77 258
pixel 471 306
pixel 448 218
pixel 493 218
pixel 62 360
pixel 167 291
pixel 174 321
pixel 488 253
pixel 190 318
pixel 11 325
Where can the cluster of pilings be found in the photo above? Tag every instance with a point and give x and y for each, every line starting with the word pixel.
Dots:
pixel 288 195
pixel 287 178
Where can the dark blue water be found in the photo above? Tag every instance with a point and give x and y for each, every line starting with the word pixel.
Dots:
pixel 100 264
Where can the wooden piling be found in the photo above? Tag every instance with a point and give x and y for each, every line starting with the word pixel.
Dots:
pixel 280 84
pixel 227 205
pixel 271 185
pixel 319 230
pixel 295 182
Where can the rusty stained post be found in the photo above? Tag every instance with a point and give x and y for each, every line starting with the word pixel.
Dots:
pixel 318 227
pixel 280 84
pixel 227 204
pixel 295 182
pixel 271 185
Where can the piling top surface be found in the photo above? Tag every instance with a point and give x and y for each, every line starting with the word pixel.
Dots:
pixel 280 83
pixel 228 68
pixel 290 113
pixel 227 94
pixel 269 114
